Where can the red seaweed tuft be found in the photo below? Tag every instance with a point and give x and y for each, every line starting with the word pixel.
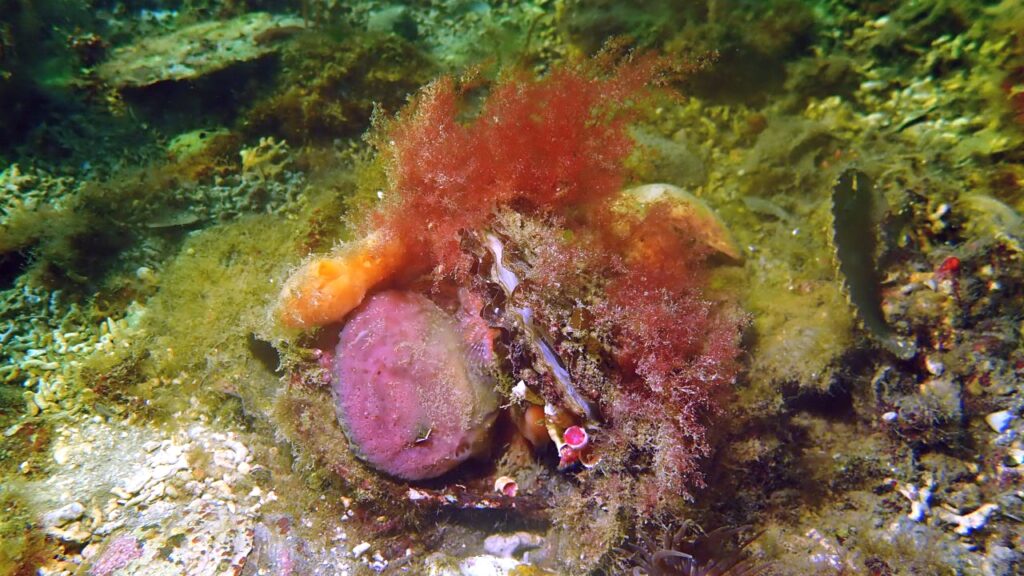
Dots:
pixel 541 144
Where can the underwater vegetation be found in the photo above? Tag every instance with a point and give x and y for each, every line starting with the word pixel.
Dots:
pixel 588 302
pixel 331 85
pixel 21 544
pixel 465 287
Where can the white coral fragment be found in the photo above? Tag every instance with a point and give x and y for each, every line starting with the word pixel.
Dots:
pixel 920 499
pixel 968 523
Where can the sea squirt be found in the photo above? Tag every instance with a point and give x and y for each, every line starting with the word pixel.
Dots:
pixel 410 399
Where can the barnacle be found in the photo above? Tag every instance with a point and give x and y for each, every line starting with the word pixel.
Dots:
pixel 717 553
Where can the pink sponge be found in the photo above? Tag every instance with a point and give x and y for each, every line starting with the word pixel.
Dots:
pixel 409 399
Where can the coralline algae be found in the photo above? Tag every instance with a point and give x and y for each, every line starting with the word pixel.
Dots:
pixel 410 401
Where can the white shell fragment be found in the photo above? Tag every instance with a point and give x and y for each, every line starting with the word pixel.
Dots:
pixel 360 549
pixel 920 500
pixel 968 523
pixel 999 421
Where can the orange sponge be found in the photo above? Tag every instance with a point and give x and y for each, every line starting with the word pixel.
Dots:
pixel 325 290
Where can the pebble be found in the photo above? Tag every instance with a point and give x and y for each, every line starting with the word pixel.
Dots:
pixel 166 470
pixel 62 455
pixel 487 566
pixel 63 515
pixel 999 421
pixel 360 549
pixel 172 455
pixel 509 545
pixel 120 493
pixel 224 458
pixel 238 448
pixel 73 534
pixel 136 482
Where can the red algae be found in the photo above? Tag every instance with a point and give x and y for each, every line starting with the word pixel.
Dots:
pixel 622 298
pixel 118 554
pixel 673 347
pixel 540 144
pixel 595 298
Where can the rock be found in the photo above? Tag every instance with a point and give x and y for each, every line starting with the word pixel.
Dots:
pixel 934 366
pixel 1016 456
pixel 117 554
pixel 946 469
pixel 62 455
pixel 964 496
pixel 241 452
pixel 674 160
pixel 277 549
pixel 410 401
pixel 120 493
pixel 1002 561
pixel 487 566
pixel 224 458
pixel 687 208
pixel 137 481
pixel 942 395
pixel 510 545
pixel 195 50
pixel 63 515
pixel 73 534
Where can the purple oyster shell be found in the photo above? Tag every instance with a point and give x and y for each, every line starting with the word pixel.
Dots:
pixel 411 402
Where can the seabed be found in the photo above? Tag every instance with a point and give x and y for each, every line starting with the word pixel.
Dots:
pixel 846 177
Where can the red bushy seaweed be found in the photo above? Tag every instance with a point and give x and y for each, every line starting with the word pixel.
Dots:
pixel 642 274
pixel 668 328
pixel 541 164
pixel 681 347
pixel 542 144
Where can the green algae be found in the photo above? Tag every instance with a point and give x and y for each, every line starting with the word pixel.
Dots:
pixel 332 83
pixel 22 546
pixel 212 297
pixel 802 337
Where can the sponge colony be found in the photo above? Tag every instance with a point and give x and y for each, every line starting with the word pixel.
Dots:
pixel 411 402
pixel 325 290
